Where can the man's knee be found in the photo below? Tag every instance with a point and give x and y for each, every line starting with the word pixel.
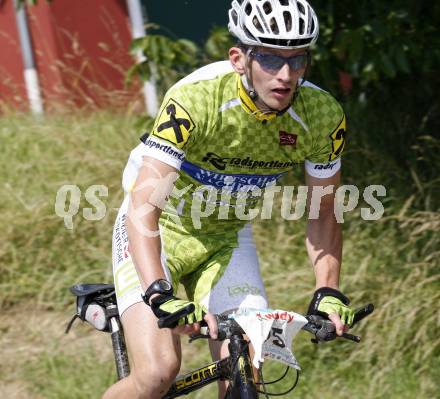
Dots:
pixel 155 376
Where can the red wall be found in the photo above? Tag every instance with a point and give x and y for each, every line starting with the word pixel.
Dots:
pixel 12 89
pixel 81 51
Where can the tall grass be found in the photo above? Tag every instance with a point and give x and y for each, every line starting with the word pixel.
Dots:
pixel 39 256
pixel 392 263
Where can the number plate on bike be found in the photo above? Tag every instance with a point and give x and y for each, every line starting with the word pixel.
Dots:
pixel 271 333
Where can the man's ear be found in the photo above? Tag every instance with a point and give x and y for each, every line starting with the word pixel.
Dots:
pixel 238 60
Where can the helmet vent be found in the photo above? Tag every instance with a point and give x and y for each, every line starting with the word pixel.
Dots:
pixel 284 2
pixel 288 20
pixel 257 24
pixel 248 9
pixel 301 27
pixel 267 7
pixel 274 26
pixel 301 8
pixel 248 33
pixel 234 16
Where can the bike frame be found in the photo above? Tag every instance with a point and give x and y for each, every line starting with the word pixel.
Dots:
pixel 199 378
pixel 119 347
pixel 236 368
pixel 242 384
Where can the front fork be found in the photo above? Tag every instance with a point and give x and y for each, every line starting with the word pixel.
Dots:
pixel 242 385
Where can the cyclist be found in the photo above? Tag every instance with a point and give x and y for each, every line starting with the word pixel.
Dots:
pixel 224 134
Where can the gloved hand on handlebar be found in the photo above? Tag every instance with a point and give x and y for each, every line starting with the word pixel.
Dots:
pixel 164 305
pixel 327 301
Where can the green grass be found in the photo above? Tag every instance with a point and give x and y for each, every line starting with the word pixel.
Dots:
pixel 57 376
pixel 392 263
pixel 38 253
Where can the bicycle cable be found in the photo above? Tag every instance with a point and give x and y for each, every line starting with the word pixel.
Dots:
pixel 267 394
pixel 272 382
pixel 260 372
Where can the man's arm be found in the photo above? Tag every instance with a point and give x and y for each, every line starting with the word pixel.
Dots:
pixel 154 184
pixel 324 237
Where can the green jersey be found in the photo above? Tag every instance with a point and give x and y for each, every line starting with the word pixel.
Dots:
pixel 226 153
pixel 213 134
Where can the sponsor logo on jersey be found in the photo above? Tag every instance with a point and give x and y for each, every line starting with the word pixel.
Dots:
pixel 338 140
pixel 121 240
pixel 244 290
pixel 326 166
pixel 245 163
pixel 174 124
pixel 167 149
pixel 288 138
pixel 234 183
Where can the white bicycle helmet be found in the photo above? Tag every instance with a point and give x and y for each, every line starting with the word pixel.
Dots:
pixel 283 24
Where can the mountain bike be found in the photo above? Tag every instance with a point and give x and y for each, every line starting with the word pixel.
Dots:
pixel 96 304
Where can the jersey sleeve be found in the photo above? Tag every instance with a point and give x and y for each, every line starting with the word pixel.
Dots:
pixel 329 133
pixel 175 126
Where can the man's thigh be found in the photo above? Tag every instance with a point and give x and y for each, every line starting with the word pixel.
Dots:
pixel 240 283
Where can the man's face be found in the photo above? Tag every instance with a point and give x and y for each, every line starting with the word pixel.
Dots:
pixel 275 86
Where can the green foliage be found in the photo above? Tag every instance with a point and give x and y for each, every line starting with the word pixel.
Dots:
pixel 390 51
pixel 377 41
pixel 218 44
pixel 30 2
pixel 168 60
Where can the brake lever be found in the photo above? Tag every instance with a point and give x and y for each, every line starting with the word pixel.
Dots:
pixel 204 333
pixel 351 337
pixel 323 331
pixel 198 336
pixel 359 314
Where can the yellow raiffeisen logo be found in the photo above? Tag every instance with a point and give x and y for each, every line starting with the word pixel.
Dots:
pixel 174 124
pixel 338 140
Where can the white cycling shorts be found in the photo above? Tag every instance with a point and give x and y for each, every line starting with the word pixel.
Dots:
pixel 240 283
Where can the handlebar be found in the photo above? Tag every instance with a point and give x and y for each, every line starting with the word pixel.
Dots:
pixel 322 329
pixel 361 313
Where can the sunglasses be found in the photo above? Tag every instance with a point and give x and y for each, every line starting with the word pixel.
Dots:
pixel 273 63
